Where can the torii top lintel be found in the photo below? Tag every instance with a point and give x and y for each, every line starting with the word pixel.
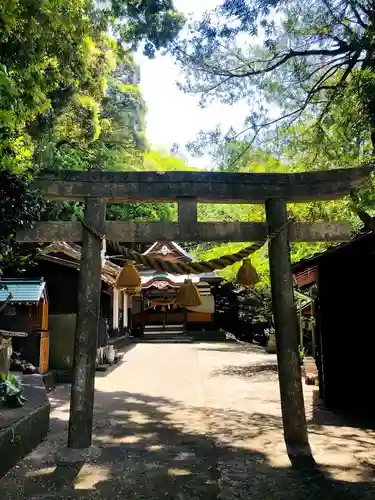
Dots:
pixel 205 187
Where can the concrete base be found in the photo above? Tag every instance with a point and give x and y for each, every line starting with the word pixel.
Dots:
pixel 73 456
pixel 22 429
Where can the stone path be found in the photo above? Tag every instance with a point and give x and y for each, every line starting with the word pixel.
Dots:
pixel 195 421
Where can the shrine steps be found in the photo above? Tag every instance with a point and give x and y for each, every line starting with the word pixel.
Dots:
pixel 167 333
pixel 175 333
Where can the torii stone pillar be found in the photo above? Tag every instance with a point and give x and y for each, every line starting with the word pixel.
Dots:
pixel 286 326
pixel 85 341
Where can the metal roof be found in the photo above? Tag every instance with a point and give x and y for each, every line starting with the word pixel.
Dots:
pixel 22 290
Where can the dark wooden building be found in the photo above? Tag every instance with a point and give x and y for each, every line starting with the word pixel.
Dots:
pixel 342 280
pixel 58 264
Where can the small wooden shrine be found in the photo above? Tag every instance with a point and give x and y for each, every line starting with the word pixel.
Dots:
pixel 25 310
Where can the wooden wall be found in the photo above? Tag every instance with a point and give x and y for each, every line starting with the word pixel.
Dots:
pixel 346 281
pixel 62 288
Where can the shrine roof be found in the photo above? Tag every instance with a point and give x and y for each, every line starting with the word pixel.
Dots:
pixel 17 291
pixel 168 250
pixel 150 278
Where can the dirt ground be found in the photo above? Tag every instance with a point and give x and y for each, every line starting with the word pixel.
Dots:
pixel 196 421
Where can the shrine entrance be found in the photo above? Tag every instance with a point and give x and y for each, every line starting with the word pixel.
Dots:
pixel 157 308
pixel 154 305
pixel 188 189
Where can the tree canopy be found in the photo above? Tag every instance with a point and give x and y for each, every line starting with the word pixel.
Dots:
pixel 70 96
pixel 56 58
pixel 294 62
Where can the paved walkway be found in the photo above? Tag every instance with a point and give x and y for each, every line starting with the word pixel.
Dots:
pixel 195 421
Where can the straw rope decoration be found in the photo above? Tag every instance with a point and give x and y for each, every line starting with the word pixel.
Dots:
pixel 181 267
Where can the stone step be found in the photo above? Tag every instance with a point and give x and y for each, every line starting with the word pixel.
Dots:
pixel 170 329
pixel 169 340
pixel 208 336
pixel 158 331
pixel 159 336
pixel 177 325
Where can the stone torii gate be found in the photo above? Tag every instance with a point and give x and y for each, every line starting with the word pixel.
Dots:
pixel 188 189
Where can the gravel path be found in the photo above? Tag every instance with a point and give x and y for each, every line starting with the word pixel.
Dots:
pixel 195 421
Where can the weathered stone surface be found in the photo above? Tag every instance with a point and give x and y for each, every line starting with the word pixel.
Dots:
pixel 22 429
pixel 286 329
pixel 149 232
pixel 74 456
pixel 207 187
pixel 86 334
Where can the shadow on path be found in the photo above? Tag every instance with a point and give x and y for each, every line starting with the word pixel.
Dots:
pixel 155 448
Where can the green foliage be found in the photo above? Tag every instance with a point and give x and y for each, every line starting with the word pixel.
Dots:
pixel 163 161
pixel 258 161
pixel 154 23
pixel 20 205
pixel 142 212
pixel 292 61
pixel 69 95
pixel 11 391
pixel 239 309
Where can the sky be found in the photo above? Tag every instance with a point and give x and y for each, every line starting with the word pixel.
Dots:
pixel 173 116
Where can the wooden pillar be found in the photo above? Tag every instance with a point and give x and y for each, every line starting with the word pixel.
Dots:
pixel 115 311
pixel 85 344
pixel 130 312
pixel 286 326
pixel 124 309
pixel 185 312
pixel 141 314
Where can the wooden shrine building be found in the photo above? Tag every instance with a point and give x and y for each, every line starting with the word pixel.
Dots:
pixel 154 309
pixel 340 280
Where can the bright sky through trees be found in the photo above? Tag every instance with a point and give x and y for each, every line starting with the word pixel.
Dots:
pixel 174 117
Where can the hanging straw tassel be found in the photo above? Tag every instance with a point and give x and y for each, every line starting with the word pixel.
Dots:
pixel 247 274
pixel 188 295
pixel 128 277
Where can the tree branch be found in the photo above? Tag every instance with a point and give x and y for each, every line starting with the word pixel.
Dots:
pixel 291 55
pixel 338 20
pixel 343 79
pixel 357 15
pixel 364 9
pixel 270 64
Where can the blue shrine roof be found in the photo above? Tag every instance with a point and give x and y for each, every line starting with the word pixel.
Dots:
pixel 22 290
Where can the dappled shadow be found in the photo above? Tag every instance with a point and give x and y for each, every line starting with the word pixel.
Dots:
pixel 252 371
pixel 157 448
pixel 235 347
